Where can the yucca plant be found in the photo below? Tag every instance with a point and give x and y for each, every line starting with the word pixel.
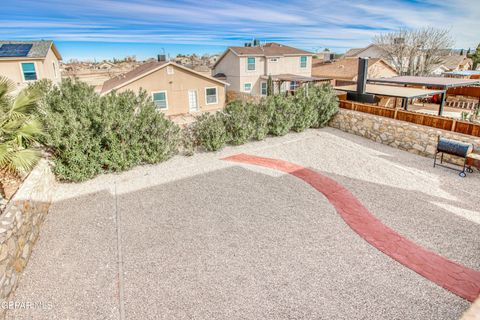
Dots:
pixel 19 129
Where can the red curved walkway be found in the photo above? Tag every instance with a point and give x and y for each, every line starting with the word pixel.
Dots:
pixel 462 281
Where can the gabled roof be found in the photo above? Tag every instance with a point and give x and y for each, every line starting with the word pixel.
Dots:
pixel 346 69
pixel 452 62
pixel 144 70
pixel 357 51
pixel 39 49
pixel 271 49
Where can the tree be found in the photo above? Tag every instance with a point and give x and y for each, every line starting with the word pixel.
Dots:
pixel 19 129
pixel 269 86
pixel 414 52
pixel 475 57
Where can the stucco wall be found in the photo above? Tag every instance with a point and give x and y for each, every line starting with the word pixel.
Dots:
pixel 177 86
pixel 403 135
pixel 44 67
pixel 20 226
pixel 235 68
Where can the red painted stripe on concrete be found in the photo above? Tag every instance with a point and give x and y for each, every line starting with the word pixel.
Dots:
pixel 462 281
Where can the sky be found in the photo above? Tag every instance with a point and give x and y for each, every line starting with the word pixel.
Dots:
pixel 104 29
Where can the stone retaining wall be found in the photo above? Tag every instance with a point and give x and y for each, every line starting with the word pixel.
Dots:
pixel 403 135
pixel 20 225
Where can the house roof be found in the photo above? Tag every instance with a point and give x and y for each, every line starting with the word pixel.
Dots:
pixel 453 62
pixel 356 51
pixel 38 50
pixel 270 49
pixel 346 69
pixel 144 70
pixel 353 52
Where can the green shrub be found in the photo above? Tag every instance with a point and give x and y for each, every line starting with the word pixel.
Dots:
pixel 238 124
pixel 283 115
pixel 210 131
pixel 326 102
pixel 88 134
pixel 189 141
pixel 260 115
pixel 306 113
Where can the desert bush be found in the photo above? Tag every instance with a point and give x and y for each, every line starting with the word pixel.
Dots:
pixel 283 115
pixel 210 131
pixel 238 124
pixel 88 134
pixel 260 115
pixel 306 113
pixel 189 141
pixel 326 102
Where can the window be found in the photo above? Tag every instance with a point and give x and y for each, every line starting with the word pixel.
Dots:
pixel 247 87
pixel 263 88
pixel 28 71
pixel 54 69
pixel 211 95
pixel 169 70
pixel 273 59
pixel 293 85
pixel 251 64
pixel 160 100
pixel 303 62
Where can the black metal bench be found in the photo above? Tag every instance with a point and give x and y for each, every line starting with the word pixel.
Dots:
pixel 454 148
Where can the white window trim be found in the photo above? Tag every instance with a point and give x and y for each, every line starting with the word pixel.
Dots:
pixel 21 70
pixel 166 99
pixel 261 84
pixel 255 65
pixel 251 87
pixel 216 95
pixel 196 100
pixel 306 62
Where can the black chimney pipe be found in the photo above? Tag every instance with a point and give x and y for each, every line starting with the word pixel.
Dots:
pixel 362 75
pixel 360 95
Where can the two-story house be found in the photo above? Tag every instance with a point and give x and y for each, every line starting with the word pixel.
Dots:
pixel 247 68
pixel 27 61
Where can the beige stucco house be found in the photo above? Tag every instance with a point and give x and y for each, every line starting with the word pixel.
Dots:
pixel 27 61
pixel 247 68
pixel 175 89
pixel 345 71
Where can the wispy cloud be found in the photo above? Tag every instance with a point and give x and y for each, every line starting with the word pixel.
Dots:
pixel 308 23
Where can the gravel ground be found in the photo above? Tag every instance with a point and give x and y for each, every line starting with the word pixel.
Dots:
pixel 202 238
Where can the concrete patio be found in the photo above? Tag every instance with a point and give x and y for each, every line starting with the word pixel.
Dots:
pixel 204 238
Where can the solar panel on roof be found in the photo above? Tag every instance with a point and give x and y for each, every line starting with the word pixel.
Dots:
pixel 15 50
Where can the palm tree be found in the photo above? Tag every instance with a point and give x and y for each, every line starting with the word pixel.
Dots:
pixel 19 129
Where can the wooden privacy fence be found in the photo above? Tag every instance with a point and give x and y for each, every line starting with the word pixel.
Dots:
pixel 465 91
pixel 448 124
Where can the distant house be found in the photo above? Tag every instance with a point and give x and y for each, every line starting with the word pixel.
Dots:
pixel 174 88
pixel 452 62
pixel 247 68
pixel 27 61
pixel 371 51
pixel 345 71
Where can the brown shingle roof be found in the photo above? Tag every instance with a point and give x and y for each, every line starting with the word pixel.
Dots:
pixel 269 49
pixel 123 78
pixel 352 52
pixel 454 61
pixel 345 69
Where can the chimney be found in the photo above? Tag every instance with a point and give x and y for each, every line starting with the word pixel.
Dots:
pixel 161 58
pixel 360 95
pixel 362 75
